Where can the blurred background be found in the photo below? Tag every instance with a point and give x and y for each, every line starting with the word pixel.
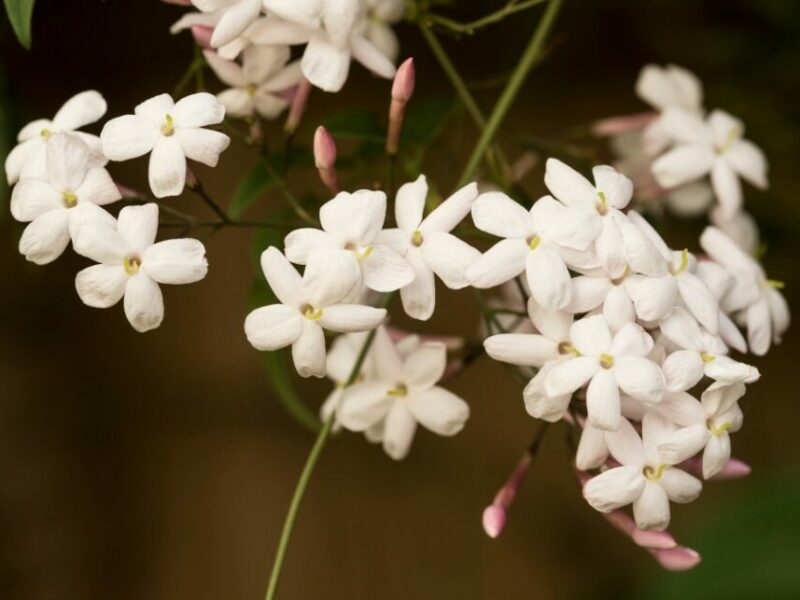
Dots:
pixel 160 466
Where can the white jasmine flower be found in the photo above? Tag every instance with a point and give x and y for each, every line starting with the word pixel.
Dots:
pixel 763 308
pixel 339 364
pixel 132 264
pixel 27 158
pixel 655 296
pixel 234 16
pixel 607 363
pixel 741 228
pixel 428 245
pixel 533 243
pixel 376 26
pixel 171 132
pixel 352 225
pixel 704 426
pixel 592 450
pixel 643 478
pixel 599 291
pixel 403 394
pixel 714 147
pixel 334 35
pixel 719 281
pixel 701 354
pixel 257 83
pixel 611 192
pixel 307 306
pixel 70 194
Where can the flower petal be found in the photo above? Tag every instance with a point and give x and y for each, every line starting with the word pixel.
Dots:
pixel 497 214
pixel 354 218
pixel 451 212
pixel 602 401
pixel 369 55
pixel 236 18
pixel 384 270
pixel 749 161
pixel 101 286
pixel 569 186
pixel 364 405
pixel 500 263
pixel 138 225
pixel 523 349
pixel 651 509
pixel 67 161
pixel 727 188
pixel 32 198
pixel 46 238
pixel 625 445
pixel 683 164
pixel 325 65
pixel 449 257
pixel 682 370
pixel 348 318
pixel 144 304
pixel 425 366
pixel 419 296
pixel 716 454
pixel 202 145
pixel 329 276
pixel 439 410
pixel 272 327
pixel 308 350
pixel 680 486
pixel 398 432
pixel 614 488
pixel 82 109
pixel 98 188
pixel 128 137
pixel 167 172
pixel 176 261
pixel 591 335
pixel 409 204
pixel 640 378
pixel 568 376
pixel 548 278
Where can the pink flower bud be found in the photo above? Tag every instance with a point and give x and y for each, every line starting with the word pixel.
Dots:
pixel 622 124
pixel 179 2
pixel 298 106
pixel 679 558
pixel 494 519
pixel 325 159
pixel 655 540
pixel 202 36
pixel 733 469
pixel 402 90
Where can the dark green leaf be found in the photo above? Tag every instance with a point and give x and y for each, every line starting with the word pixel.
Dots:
pixel 424 123
pixel 19 13
pixel 356 125
pixel 251 188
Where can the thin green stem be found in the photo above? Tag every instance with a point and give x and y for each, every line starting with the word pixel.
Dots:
pixel 311 463
pixel 511 90
pixel 495 17
pixel 287 193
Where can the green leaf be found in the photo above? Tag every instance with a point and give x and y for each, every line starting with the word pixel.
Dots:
pixel 276 367
pixel 251 188
pixel 20 13
pixel 424 123
pixel 356 125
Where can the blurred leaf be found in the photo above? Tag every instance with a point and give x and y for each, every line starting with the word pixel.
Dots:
pixel 251 188
pixel 277 368
pixel 356 125
pixel 423 125
pixel 749 551
pixel 20 13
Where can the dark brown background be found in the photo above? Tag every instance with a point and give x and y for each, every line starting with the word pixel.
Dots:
pixel 159 466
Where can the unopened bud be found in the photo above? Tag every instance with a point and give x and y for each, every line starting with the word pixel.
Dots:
pixel 494 516
pixel 325 159
pixel 202 35
pixel 494 519
pixel 402 90
pixel 679 558
pixel 297 106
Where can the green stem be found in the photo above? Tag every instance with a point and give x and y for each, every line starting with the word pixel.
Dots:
pixel 287 193
pixel 511 90
pixel 495 17
pixel 311 462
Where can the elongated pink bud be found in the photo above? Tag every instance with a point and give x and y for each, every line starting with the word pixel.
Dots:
pixel 298 106
pixel 325 159
pixel 622 124
pixel 202 36
pixel 655 540
pixel 179 2
pixel 679 558
pixel 494 515
pixel 402 90
pixel 733 469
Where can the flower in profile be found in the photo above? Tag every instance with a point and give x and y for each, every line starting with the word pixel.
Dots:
pixel 27 158
pixel 643 478
pixel 232 17
pixel 171 132
pixel 377 25
pixel 71 192
pixel 306 306
pixel 257 83
pixel 428 246
pixel 132 264
pixel 402 394
pixel 712 147
pixel 352 226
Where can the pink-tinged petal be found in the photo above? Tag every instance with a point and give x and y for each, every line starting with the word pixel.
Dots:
pixel 677 559
pixel 655 540
pixel 273 327
pixel 494 520
pixel 614 488
pixel 101 286
pixel 144 304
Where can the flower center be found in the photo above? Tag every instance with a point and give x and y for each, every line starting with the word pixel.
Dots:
pixel 417 239
pixel 132 264
pixel 311 313
pixel 707 358
pixel 567 348
pixel 360 252
pixel 621 278
pixel 733 134
pixel 251 89
pixel 720 429
pixel 168 128
pixel 682 265
pixel 602 207
pixel 398 391
pixel 70 199
pixel 654 474
pixel 45 133
pixel 606 361
pixel 534 242
pixel 774 284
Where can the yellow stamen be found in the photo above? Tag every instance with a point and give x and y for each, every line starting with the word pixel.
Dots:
pixel 602 208
pixel 733 135
pixel 312 314
pixel 683 265
pixel 70 199
pixel 361 255
pixel 417 239
pixel 132 264
pixel 707 358
pixel 45 133
pixel 398 391
pixel 534 243
pixel 606 361
pixel 567 348
pixel 622 277
pixel 169 125
pixel 718 431
pixel 775 284
pixel 655 474
pixel 251 89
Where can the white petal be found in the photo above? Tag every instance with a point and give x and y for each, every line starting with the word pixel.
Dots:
pixel 302 242
pixel 46 238
pixel 228 71
pixel 100 242
pixel 451 212
pixel 398 431
pixel 419 296
pixel 592 449
pixel 602 401
pixel 167 172
pixel 128 137
pixel 554 324
pixel 699 300
pixel 384 270
pixel 98 188
pixel 642 254
pixel 351 317
pixel 614 488
pixel 303 12
pixel 725 369
pixel 759 327
pixel 325 65
pixel 20 157
pixel 631 340
pixel 237 102
pixel 500 263
pixel 716 454
pixel 144 304
pixel 202 145
pixel 686 127
pixel 610 248
pixel 329 276
pixel 568 376
pixel 281 276
pixel 101 286
pixel 653 297
pixel 541 406
pixel 524 349
pixel 682 370
pixel 618 308
pixel 680 486
pixel 683 444
pixel 591 335
pixel 616 187
pixel 749 161
pixel 356 217
pixel 779 310
pixel 640 378
pixel 363 405
pixel 82 109
pixel 727 188
pixel 625 445
pixel 651 509
pixel 569 186
pixel 308 350
pixel 425 366
pixel 268 105
pixel 587 293
pixel 272 327
pixel 496 213
pixel 548 278
pixel 449 257
pixel 236 18
pixel 682 164
pixel 67 161
pixel 368 54
pixel 410 203
pixel 176 261
pixel 439 410
pixel 32 198
pixel 138 225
